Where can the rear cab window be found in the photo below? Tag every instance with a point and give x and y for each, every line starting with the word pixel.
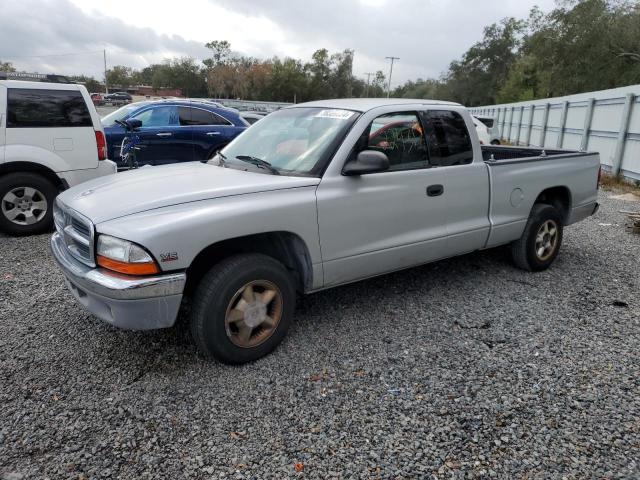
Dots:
pixel 40 108
pixel 448 139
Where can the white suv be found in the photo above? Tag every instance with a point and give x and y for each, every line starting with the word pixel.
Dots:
pixel 51 139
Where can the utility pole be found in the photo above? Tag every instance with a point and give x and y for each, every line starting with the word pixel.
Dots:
pixel 106 87
pixel 390 73
pixel 368 74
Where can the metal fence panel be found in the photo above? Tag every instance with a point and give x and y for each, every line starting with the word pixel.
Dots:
pixel 607 121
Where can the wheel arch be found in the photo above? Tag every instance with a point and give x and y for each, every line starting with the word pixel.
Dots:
pixel 32 167
pixel 558 197
pixel 286 247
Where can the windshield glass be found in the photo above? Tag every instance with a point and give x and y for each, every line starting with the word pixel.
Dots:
pixel 120 114
pixel 293 140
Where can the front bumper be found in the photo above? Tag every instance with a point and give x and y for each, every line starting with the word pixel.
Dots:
pixel 135 303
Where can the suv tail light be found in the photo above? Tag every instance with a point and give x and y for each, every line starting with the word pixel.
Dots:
pixel 102 145
pixel 599 176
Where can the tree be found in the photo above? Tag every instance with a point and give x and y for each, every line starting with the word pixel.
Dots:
pixel 378 85
pixel 6 67
pixel 341 76
pixel 477 77
pixel 221 50
pixel 91 83
pixel 288 81
pixel 319 71
pixel 120 76
pixel 183 73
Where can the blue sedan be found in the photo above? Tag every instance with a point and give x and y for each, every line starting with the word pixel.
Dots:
pixel 174 130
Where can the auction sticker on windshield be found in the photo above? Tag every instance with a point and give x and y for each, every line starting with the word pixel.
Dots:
pixel 334 113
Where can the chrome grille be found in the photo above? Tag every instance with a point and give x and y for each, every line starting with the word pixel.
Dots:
pixel 77 232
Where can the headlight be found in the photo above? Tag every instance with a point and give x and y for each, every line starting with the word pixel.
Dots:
pixel 124 257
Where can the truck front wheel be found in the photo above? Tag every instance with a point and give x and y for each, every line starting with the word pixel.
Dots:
pixel 540 242
pixel 242 308
pixel 26 203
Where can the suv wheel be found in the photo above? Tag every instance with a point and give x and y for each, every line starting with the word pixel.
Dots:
pixel 242 308
pixel 540 242
pixel 26 203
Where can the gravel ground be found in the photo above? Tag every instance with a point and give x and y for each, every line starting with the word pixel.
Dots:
pixel 467 368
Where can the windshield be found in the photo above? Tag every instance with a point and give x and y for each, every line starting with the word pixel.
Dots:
pixel 120 114
pixel 293 140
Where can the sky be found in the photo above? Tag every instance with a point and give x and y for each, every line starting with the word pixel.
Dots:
pixel 68 36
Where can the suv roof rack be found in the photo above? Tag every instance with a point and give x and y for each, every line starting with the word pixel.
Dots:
pixel 34 77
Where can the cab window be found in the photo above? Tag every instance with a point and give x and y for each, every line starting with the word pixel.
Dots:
pixel 401 137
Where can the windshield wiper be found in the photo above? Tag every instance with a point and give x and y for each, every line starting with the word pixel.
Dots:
pixel 258 162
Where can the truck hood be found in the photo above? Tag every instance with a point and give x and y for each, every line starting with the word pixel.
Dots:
pixel 149 188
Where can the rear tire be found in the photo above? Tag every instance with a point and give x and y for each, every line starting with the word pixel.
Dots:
pixel 540 242
pixel 242 308
pixel 26 203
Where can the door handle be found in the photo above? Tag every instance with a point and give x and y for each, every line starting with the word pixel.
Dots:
pixel 164 134
pixel 435 190
pixel 213 133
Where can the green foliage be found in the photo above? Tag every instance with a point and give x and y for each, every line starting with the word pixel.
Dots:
pixel 6 67
pixel 183 73
pixel 91 83
pixel 120 76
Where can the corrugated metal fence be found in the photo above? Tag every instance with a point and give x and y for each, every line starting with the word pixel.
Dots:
pixel 607 121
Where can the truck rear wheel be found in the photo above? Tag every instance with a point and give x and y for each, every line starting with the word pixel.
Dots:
pixel 242 308
pixel 26 203
pixel 540 242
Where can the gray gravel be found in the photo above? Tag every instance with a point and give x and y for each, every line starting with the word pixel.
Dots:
pixel 467 368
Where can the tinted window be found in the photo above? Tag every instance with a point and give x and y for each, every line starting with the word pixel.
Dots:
pixel 161 116
pixel 46 108
pixel 448 139
pixel 487 121
pixel 197 116
pixel 400 137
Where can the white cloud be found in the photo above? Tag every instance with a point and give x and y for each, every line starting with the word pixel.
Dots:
pixel 425 34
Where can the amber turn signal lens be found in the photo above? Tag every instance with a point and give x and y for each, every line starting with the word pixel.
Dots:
pixel 148 268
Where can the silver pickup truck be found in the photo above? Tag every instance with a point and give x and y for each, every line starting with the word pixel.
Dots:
pixel 311 197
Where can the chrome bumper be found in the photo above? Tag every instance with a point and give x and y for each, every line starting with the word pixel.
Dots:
pixel 137 303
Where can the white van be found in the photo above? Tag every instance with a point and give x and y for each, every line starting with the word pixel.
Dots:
pixel 51 139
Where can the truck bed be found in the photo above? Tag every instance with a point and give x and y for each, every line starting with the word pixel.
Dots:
pixel 517 176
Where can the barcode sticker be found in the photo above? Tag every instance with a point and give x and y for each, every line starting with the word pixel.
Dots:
pixel 334 113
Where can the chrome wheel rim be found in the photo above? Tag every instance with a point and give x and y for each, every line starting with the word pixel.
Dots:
pixel 253 314
pixel 546 240
pixel 24 205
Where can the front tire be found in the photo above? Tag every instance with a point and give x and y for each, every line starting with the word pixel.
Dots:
pixel 26 203
pixel 242 308
pixel 540 242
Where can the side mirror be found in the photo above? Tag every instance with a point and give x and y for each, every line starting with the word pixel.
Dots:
pixel 134 123
pixel 367 161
